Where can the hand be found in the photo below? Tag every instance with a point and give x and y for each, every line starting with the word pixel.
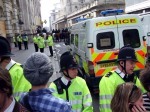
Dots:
pixel 137 108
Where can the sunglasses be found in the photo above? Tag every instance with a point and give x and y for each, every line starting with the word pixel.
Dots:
pixel 133 89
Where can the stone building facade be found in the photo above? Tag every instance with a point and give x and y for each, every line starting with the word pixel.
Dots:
pixel 18 16
pixel 73 9
pixel 137 6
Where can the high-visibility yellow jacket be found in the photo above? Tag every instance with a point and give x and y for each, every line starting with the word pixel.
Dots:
pixel 40 42
pixel 14 39
pixel 19 38
pixel 25 38
pixel 50 41
pixel 35 40
pixel 107 87
pixel 78 94
pixel 19 82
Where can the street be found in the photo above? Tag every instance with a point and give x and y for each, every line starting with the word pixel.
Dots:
pixel 22 55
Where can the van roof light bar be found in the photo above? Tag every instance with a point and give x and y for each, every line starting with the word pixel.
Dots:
pixel 112 12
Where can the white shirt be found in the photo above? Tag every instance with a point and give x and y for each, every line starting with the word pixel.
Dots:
pixel 11 106
pixel 11 63
pixel 120 73
pixel 65 80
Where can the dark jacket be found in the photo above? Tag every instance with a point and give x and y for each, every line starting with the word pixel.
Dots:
pixel 19 108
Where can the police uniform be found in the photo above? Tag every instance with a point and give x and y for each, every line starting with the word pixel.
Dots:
pixel 50 44
pixel 35 41
pixel 20 84
pixel 110 81
pixel 41 43
pixel 75 91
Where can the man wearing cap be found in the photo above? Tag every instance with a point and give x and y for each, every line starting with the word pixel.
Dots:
pixel 20 84
pixel 72 88
pixel 37 70
pixel 124 73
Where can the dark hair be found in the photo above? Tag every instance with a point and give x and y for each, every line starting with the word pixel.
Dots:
pixel 5 81
pixel 145 78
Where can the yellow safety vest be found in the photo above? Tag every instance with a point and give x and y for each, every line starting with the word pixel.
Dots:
pixel 78 93
pixel 107 87
pixel 19 82
pixel 50 41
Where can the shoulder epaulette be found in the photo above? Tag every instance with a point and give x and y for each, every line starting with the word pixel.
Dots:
pixel 108 74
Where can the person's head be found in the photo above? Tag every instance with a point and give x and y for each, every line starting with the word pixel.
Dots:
pixel 38 69
pixel 127 59
pixel 5 82
pixel 126 95
pixel 5 51
pixel 6 89
pixel 145 78
pixel 68 65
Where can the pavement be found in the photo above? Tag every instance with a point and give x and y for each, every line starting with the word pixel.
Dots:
pixel 22 55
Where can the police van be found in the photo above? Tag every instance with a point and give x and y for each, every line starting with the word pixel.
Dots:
pixel 95 43
pixel 145 17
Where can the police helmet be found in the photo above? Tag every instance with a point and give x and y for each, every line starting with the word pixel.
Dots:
pixel 67 62
pixel 65 53
pixel 127 53
pixel 5 49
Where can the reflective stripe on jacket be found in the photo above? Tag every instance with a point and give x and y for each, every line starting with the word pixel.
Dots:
pixel 25 38
pixel 79 95
pixel 107 87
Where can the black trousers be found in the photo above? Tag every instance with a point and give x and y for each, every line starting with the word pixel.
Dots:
pixel 36 47
pixel 51 50
pixel 42 50
pixel 25 45
pixel 15 43
pixel 19 45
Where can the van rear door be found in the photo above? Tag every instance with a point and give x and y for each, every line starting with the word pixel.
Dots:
pixel 106 46
pixel 130 32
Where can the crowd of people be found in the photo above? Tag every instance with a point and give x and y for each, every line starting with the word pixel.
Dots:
pixel 26 88
pixel 18 39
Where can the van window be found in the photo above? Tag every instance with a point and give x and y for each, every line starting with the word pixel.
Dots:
pixel 72 38
pixel 131 37
pixel 76 40
pixel 105 40
pixel 82 42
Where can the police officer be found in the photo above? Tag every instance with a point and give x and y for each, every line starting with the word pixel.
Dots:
pixel 35 41
pixel 14 41
pixel 72 88
pixel 20 84
pixel 50 43
pixel 124 73
pixel 41 43
pixel 19 40
pixel 25 41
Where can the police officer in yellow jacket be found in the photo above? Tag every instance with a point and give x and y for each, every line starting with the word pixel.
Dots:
pixel 19 40
pixel 124 73
pixel 35 41
pixel 72 88
pixel 20 84
pixel 41 42
pixel 50 43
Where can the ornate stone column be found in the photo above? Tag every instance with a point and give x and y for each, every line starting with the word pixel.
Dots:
pixel 7 14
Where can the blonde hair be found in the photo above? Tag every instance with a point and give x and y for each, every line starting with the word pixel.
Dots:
pixel 125 93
